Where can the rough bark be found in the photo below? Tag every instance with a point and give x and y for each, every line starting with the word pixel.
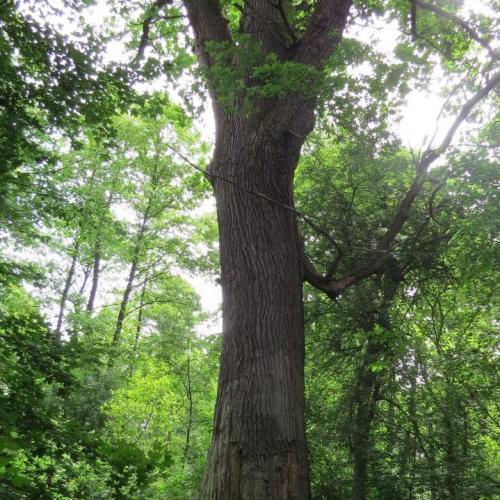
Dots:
pixel 258 449
pixel 258 446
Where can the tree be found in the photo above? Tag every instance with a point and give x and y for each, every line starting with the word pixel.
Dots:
pixel 57 436
pixel 268 66
pixel 259 448
pixel 383 397
pixel 48 83
pixel 263 64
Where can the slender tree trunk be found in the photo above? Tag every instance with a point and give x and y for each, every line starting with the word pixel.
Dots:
pixel 365 400
pixel 391 486
pixel 189 394
pixel 66 290
pixel 368 381
pixel 86 273
pixel 432 465
pixel 138 328
pixel 131 275
pixel 452 479
pixel 413 433
pixel 410 442
pixel 139 315
pixel 124 302
pixel 258 449
pixel 97 261
pixel 95 274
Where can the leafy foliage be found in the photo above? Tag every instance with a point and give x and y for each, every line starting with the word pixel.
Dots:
pixel 101 226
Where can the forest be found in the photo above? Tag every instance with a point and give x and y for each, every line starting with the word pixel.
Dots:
pixel 249 249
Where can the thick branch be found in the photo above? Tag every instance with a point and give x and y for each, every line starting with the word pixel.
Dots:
pixel 333 288
pixel 323 33
pixel 286 22
pixel 459 22
pixel 208 24
pixel 262 19
pixel 382 251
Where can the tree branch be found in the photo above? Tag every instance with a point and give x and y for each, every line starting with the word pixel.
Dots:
pixel 413 19
pixel 461 117
pixel 382 251
pixel 323 33
pixel 459 22
pixel 262 19
pixel 300 215
pixel 426 161
pixel 279 5
pixel 146 26
pixel 208 24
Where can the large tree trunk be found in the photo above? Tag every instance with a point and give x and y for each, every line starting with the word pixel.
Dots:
pixel 258 449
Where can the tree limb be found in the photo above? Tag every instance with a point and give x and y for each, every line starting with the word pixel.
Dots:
pixel 323 33
pixel 146 26
pixel 286 22
pixel 459 22
pixel 413 19
pixel 208 24
pixel 300 215
pixel 382 251
pixel 263 20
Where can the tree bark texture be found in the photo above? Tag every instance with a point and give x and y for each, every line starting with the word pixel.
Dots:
pixel 258 449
